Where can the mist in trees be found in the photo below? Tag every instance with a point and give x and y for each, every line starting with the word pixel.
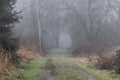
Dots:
pixel 65 40
pixel 91 25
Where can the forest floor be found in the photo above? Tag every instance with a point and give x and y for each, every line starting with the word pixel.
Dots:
pixel 60 67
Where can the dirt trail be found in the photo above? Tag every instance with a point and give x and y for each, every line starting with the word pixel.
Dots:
pixel 49 76
pixel 64 70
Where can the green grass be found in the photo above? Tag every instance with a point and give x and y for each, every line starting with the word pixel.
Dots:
pixel 99 74
pixel 31 70
pixel 67 70
pixel 71 75
pixel 28 71
pixel 34 70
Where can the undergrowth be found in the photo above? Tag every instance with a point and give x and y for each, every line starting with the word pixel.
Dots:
pixel 99 74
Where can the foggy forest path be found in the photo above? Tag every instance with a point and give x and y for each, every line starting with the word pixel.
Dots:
pixel 64 69
pixel 59 66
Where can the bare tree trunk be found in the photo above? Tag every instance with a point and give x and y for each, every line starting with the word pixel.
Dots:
pixel 40 31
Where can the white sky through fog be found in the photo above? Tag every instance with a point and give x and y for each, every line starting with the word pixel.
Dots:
pixel 65 40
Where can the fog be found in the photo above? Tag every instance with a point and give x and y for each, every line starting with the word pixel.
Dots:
pixel 59 39
pixel 84 26
pixel 65 40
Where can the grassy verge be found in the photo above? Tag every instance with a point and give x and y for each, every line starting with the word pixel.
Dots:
pixel 65 68
pixel 28 71
pixel 34 70
pixel 99 74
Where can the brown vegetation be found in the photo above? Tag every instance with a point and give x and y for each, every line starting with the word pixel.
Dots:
pixel 6 67
pixel 110 60
pixel 5 64
pixel 27 55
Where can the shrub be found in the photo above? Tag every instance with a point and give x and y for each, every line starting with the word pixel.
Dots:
pixel 106 62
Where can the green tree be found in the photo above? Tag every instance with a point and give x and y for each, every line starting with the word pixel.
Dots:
pixel 8 16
